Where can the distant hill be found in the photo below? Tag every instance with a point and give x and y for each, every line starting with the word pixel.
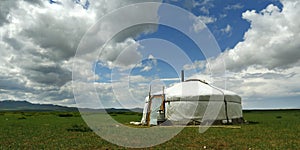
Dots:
pixel 10 105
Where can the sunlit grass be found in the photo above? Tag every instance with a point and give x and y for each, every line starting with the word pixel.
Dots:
pixel 67 130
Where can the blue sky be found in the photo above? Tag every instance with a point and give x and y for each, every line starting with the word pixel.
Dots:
pixel 227 26
pixel 227 13
pixel 42 61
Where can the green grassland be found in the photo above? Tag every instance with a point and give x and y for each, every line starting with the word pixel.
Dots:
pixel 67 130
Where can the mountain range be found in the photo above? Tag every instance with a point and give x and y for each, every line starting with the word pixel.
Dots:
pixel 10 105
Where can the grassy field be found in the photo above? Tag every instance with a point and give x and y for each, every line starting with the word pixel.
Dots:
pixel 67 130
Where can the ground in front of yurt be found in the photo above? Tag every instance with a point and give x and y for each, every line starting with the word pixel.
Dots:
pixel 60 130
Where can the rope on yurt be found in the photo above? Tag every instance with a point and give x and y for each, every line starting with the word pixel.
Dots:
pixel 225 102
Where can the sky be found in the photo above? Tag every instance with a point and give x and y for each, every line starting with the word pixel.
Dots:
pixel 113 50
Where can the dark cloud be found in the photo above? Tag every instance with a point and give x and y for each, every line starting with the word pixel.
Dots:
pixel 5 6
pixel 49 75
pixel 38 46
pixel 12 84
pixel 55 95
pixel 59 37
pixel 134 32
pixel 2 18
pixel 35 2
pixel 13 43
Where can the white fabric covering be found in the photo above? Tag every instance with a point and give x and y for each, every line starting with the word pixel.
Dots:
pixel 189 100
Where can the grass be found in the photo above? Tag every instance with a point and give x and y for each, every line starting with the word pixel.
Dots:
pixel 67 130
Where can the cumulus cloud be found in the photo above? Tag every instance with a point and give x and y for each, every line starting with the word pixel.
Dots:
pixel 151 61
pixel 234 7
pixel 227 29
pixel 201 21
pixel 265 64
pixel 262 83
pixel 39 42
pixel 118 54
pixel 196 65
pixel 146 69
pixel 124 92
pixel 5 7
pixel 271 41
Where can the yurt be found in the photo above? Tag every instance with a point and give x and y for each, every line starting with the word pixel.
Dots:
pixel 192 102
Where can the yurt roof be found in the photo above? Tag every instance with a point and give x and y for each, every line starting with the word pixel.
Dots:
pixel 194 88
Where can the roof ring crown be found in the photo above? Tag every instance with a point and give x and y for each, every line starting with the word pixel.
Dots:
pixel 202 81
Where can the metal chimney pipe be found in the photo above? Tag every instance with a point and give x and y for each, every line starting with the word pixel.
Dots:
pixel 182 75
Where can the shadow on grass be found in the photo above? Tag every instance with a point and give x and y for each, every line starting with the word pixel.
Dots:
pixel 251 122
pixel 65 115
pixel 79 128
pixel 21 118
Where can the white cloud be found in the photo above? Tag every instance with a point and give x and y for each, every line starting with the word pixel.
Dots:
pixel 261 83
pixel 204 10
pixel 146 69
pixel 196 65
pixel 170 79
pixel 227 29
pixel 204 6
pixel 38 45
pixel 201 21
pixel 128 91
pixel 151 61
pixel 271 41
pixel 123 54
pixel 222 16
pixel 265 65
pixel 39 41
pixel 190 4
pixel 234 7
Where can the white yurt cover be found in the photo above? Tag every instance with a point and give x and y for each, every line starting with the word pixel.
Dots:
pixel 188 101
